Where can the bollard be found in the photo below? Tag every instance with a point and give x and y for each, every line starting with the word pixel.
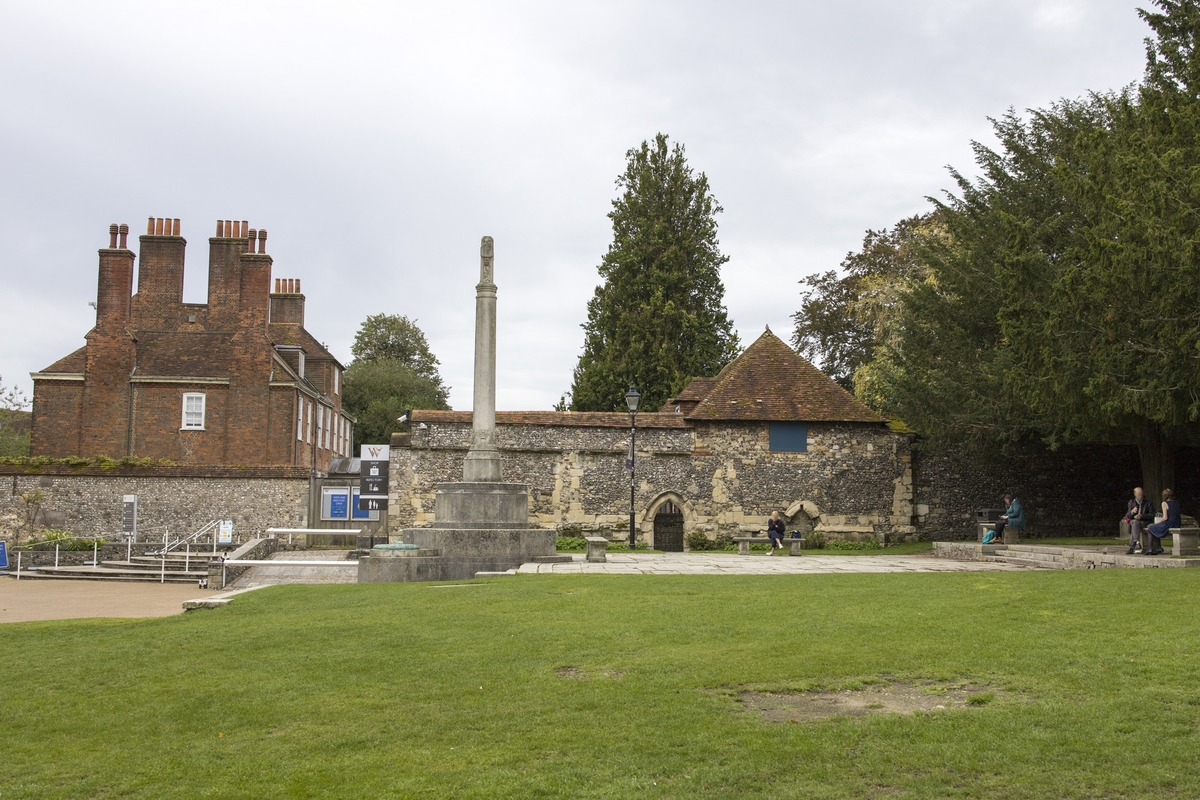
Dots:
pixel 56 556
pixel 18 565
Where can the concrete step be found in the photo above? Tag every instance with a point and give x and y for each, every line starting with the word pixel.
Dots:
pixel 1022 560
pixel 107 573
pixel 555 559
pixel 156 564
pixel 1032 555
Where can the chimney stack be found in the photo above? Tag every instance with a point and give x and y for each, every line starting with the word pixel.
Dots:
pixel 115 284
pixel 287 304
pixel 254 291
pixel 160 275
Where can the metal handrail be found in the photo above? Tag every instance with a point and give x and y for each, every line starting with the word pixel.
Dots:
pixel 168 545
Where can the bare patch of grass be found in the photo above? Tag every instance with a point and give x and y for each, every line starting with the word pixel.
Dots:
pixel 865 698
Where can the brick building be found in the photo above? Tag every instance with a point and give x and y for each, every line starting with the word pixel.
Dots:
pixel 236 381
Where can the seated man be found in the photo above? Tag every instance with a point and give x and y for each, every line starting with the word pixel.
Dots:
pixel 1138 514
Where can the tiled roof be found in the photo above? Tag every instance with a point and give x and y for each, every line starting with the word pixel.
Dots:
pixel 76 362
pixel 770 381
pixel 573 419
pixel 292 334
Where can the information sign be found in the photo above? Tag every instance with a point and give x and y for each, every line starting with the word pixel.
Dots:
pixel 225 532
pixel 3 555
pixel 373 477
pixel 129 515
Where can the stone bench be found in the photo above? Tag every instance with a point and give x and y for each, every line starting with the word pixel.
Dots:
pixel 795 546
pixel 597 549
pixel 1011 535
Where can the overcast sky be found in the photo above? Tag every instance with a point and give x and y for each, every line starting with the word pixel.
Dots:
pixel 378 141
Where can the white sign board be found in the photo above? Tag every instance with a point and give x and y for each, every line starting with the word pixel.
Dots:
pixel 225 532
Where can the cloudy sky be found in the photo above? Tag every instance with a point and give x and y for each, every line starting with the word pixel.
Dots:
pixel 378 141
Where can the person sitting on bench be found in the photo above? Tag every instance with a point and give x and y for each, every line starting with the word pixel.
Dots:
pixel 1138 514
pixel 1013 515
pixel 1160 530
pixel 775 531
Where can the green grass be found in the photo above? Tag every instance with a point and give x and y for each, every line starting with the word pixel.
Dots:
pixel 418 691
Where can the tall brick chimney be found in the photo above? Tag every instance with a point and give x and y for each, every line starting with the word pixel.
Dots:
pixel 224 272
pixel 287 304
pixel 249 389
pixel 160 275
pixel 115 285
pixel 104 404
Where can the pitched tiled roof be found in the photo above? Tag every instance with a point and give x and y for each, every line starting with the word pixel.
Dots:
pixel 296 335
pixel 573 419
pixel 770 381
pixel 76 362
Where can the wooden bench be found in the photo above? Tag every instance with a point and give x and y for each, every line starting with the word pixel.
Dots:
pixel 597 549
pixel 795 546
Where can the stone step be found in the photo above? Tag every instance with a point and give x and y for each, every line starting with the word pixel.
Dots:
pixel 1021 561
pixel 155 564
pixel 1033 555
pixel 556 559
pixel 109 573
pixel 90 574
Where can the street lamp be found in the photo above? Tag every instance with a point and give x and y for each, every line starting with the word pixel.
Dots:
pixel 631 399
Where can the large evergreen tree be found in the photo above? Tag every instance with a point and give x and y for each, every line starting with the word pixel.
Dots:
pixel 393 370
pixel 1062 303
pixel 658 318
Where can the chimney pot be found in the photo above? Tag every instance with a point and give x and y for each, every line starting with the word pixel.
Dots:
pixel 277 286
pixel 220 228
pixel 250 241
pixel 262 240
pixel 124 231
pixel 112 236
pixel 158 226
pixel 175 228
pixel 245 227
pixel 297 286
pixel 150 227
pixel 228 229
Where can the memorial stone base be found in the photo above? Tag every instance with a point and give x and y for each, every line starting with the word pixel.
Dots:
pixel 480 527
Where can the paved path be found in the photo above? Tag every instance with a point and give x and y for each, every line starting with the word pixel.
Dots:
pixel 733 564
pixel 26 601
pixel 269 576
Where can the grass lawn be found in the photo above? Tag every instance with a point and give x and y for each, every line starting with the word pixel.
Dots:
pixel 606 686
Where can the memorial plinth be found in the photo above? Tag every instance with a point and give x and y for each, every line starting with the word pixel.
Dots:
pixel 481 524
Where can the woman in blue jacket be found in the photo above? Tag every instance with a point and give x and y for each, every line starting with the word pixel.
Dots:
pixel 1160 530
pixel 1014 517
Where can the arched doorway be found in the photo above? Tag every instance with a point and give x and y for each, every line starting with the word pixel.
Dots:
pixel 668 528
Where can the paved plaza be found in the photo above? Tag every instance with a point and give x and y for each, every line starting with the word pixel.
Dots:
pixel 733 564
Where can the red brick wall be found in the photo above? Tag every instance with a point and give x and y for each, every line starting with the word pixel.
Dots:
pixel 57 407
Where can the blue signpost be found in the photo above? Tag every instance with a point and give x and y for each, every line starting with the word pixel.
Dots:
pixel 3 555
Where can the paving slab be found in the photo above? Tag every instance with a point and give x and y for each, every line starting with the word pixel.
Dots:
pixel 733 564
pixel 272 576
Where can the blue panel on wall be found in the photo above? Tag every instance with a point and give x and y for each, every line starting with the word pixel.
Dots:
pixel 789 437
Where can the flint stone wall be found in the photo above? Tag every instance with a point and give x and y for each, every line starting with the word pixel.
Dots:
pixel 90 504
pixel 855 479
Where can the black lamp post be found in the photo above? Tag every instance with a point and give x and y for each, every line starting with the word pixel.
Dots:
pixel 631 399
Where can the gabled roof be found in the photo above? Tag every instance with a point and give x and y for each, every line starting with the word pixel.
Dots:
pixel 770 381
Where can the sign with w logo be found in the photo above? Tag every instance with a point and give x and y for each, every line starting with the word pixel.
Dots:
pixel 373 476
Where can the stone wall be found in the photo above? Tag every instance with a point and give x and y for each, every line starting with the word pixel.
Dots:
pixel 1074 491
pixel 855 479
pixel 88 502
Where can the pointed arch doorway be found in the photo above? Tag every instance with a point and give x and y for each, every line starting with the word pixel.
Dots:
pixel 668 528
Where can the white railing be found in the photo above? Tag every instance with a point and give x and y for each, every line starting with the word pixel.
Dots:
pixel 168 545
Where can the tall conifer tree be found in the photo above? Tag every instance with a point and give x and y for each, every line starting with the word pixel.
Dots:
pixel 659 317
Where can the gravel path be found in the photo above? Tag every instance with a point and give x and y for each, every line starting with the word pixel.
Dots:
pixel 31 600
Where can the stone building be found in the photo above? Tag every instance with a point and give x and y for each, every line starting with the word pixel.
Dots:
pixel 235 381
pixel 770 432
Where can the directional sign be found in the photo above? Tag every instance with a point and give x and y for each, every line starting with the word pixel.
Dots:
pixel 373 477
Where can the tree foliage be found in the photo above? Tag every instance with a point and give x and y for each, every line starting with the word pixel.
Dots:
pixel 658 317
pixel 397 338
pixel 393 371
pixel 1063 300
pixel 843 317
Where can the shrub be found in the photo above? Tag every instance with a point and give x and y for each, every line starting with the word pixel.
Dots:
pixel 570 544
pixel 869 544
pixel 64 540
pixel 698 541
pixel 815 540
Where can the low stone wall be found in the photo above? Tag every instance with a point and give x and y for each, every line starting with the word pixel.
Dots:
pixel 89 503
